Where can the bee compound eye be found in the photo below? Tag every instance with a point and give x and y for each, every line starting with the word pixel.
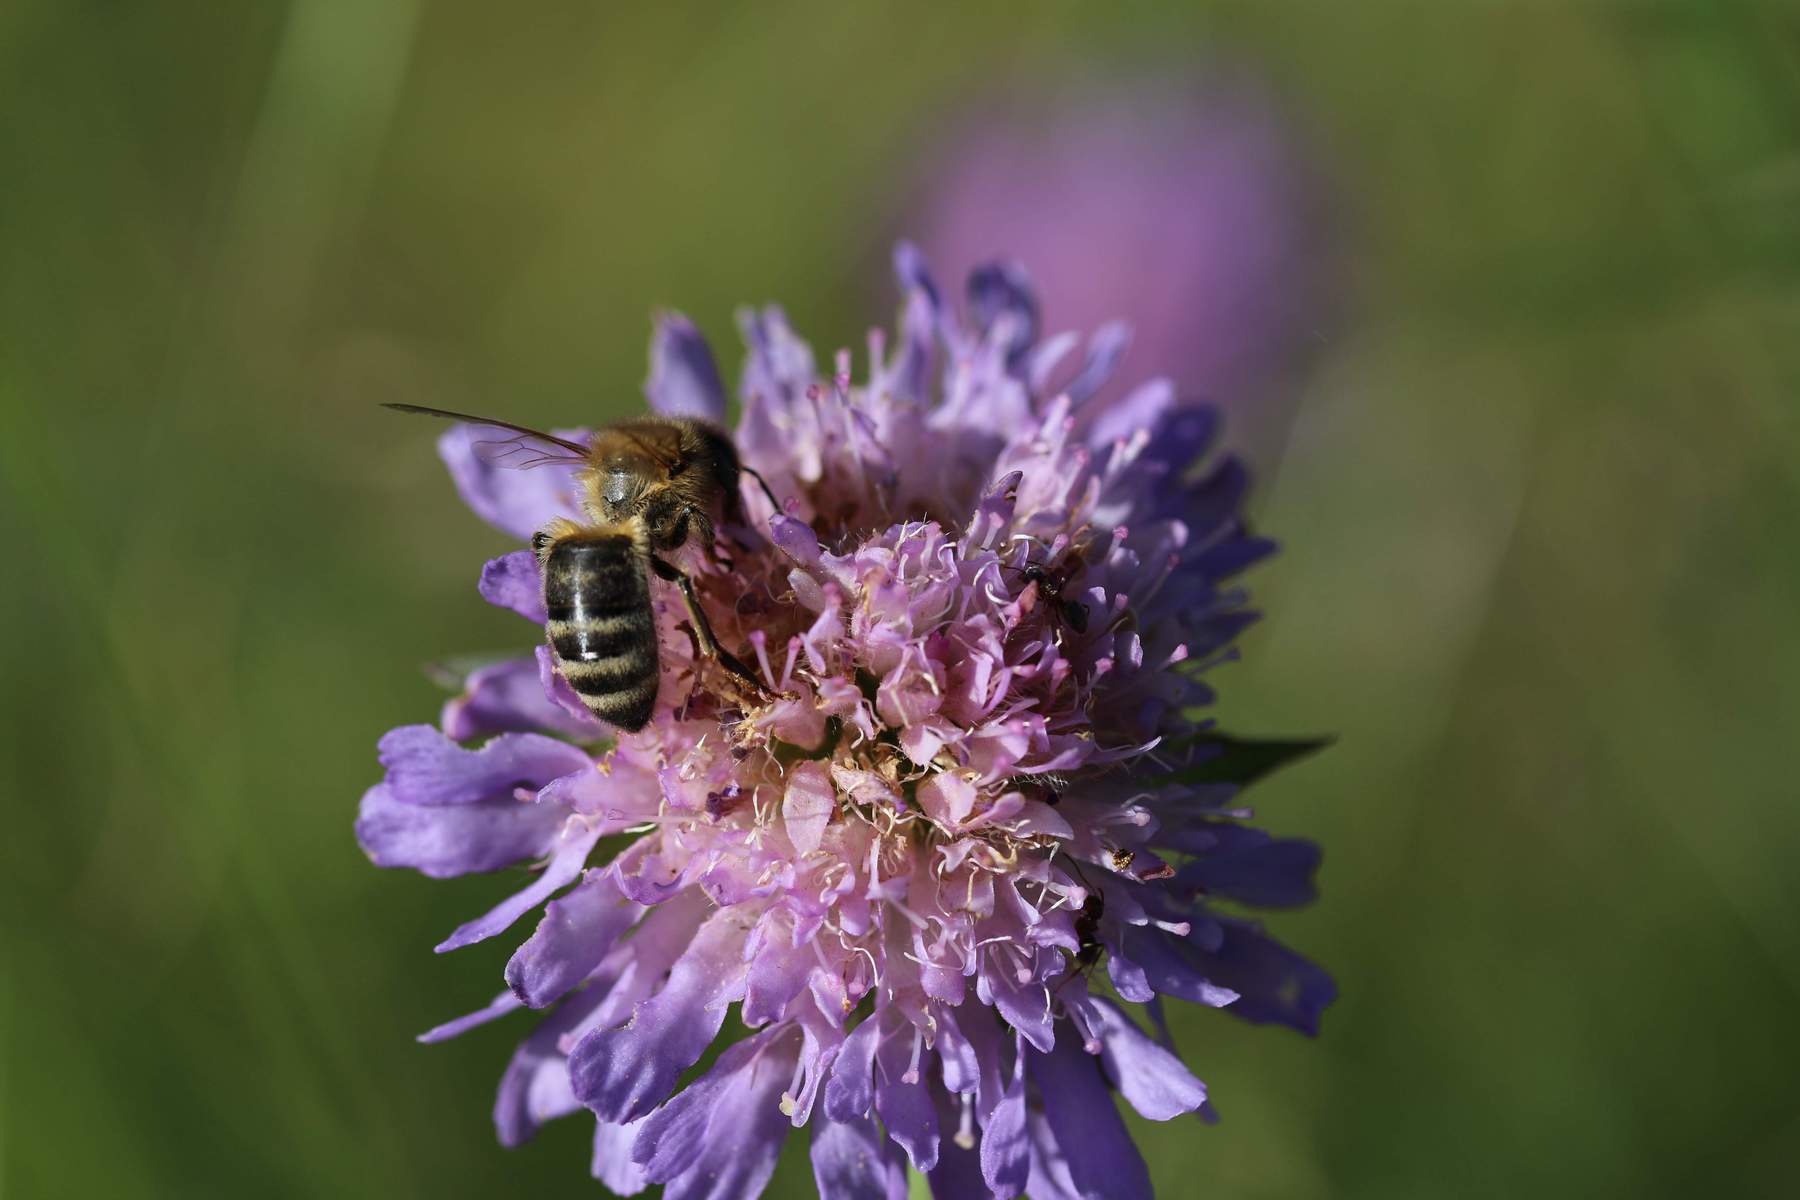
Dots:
pixel 539 540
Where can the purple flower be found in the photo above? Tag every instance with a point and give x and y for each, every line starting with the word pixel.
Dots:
pixel 979 796
pixel 1189 210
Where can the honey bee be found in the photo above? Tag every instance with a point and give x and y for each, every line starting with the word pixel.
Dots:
pixel 648 485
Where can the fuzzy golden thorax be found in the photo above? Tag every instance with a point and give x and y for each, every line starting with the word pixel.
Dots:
pixel 675 476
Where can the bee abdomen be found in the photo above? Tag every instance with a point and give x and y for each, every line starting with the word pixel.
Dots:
pixel 601 628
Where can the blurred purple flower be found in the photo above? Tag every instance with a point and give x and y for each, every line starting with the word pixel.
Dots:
pixel 986 608
pixel 1188 210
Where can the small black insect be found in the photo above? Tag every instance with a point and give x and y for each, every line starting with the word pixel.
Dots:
pixel 1050 584
pixel 1087 931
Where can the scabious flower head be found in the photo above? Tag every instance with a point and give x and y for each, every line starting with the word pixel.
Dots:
pixel 976 819
pixel 1191 209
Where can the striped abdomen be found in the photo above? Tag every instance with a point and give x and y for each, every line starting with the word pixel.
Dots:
pixel 601 628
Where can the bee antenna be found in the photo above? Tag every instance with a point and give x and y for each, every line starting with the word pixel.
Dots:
pixel 764 485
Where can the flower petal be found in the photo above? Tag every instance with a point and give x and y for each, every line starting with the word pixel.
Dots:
pixel 576 932
pixel 851 1090
pixel 453 840
pixel 807 805
pixel 568 856
pixel 1142 408
pixel 515 581
pixel 1049 1166
pixel 904 1102
pixel 719 1138
pixel 623 1073
pixel 612 1164
pixel 852 1161
pixel 1103 1163
pixel 1003 305
pixel 684 379
pixel 957 1173
pixel 1276 985
pixel 426 768
pixel 515 501
pixel 1253 868
pixel 1147 960
pixel 534 1088
pixel 502 1004
pixel 1157 1083
pixel 1105 349
pixel 508 697
pixel 1005 1152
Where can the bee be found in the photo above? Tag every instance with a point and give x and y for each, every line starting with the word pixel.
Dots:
pixel 648 485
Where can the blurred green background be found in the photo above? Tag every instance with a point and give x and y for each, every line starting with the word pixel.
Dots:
pixel 1539 500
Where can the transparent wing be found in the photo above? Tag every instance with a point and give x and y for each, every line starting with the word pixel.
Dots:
pixel 527 447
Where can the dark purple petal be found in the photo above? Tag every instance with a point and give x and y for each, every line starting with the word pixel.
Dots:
pixel 902 1099
pixel 673 1137
pixel 1050 1178
pixel 911 270
pixel 534 1088
pixel 623 1073
pixel 1157 1084
pixel 957 1174
pixel 1250 866
pixel 1105 349
pixel 779 367
pixel 1220 562
pixel 1143 408
pixel 1276 985
pixel 684 379
pixel 568 855
pixel 1002 303
pixel 513 500
pixel 719 1138
pixel 576 932
pixel 508 697
pixel 853 1161
pixel 514 581
pixel 1102 1161
pixel 502 1004
pixel 612 1164
pixel 460 840
pixel 778 972
pixel 1005 1153
pixel 1147 960
pixel 852 1087
pixel 426 768
pixel 1215 499
pixel 1181 437
pixel 1026 1007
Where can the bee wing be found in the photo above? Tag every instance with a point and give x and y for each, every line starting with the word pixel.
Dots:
pixel 526 449
pixel 523 452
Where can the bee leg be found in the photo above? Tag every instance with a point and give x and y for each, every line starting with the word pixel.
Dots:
pixel 703 634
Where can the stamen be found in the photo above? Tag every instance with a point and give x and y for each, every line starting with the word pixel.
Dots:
pixel 911 1074
pixel 965 1127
